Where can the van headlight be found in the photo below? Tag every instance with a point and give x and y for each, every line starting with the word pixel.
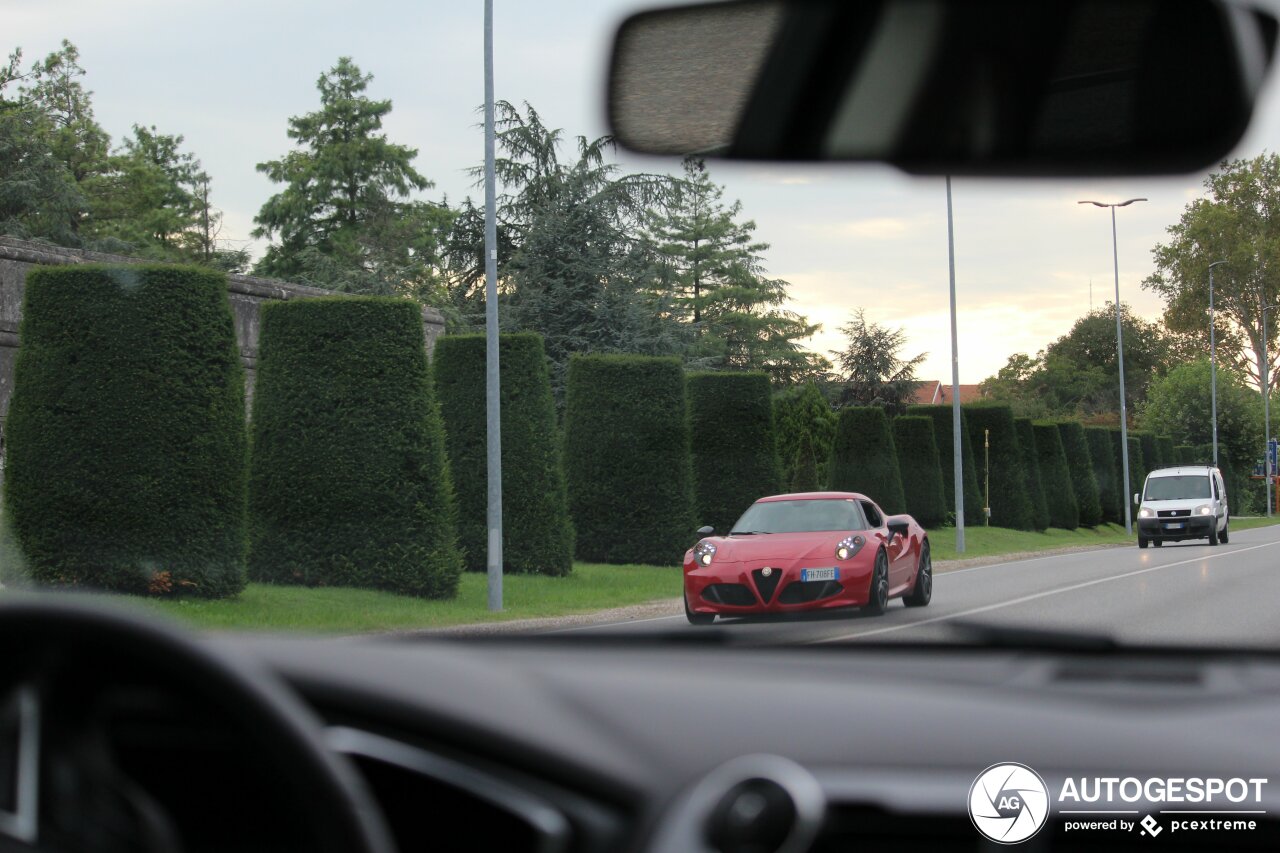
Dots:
pixel 1204 509
pixel 849 546
pixel 703 552
pixel 1146 512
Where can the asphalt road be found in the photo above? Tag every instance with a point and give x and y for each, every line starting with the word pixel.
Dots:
pixel 1184 593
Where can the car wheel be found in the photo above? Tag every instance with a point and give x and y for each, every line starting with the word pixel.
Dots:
pixel 1224 535
pixel 1157 542
pixel 1142 541
pixel 878 593
pixel 922 592
pixel 697 618
pixel 1213 534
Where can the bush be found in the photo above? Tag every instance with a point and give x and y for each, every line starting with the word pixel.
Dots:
pixel 126 432
pixel 1064 511
pixel 1105 472
pixel 942 435
pixel 349 483
pixel 918 465
pixel 1136 476
pixel 536 531
pixel 1031 472
pixel 735 453
pixel 1010 504
pixel 1164 449
pixel 799 412
pixel 1185 454
pixel 1080 464
pixel 627 459
pixel 1150 451
pixel 864 459
pixel 805 468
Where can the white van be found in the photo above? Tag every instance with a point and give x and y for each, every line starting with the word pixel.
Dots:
pixel 1187 502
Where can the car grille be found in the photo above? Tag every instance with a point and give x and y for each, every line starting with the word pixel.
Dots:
pixel 734 594
pixel 1173 513
pixel 801 592
pixel 767 585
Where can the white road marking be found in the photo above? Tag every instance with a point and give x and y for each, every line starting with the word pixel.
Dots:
pixel 612 624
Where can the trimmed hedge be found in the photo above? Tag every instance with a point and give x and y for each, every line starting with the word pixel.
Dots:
pixel 942 433
pixel 126 432
pixel 1185 454
pixel 1164 447
pixel 735 452
pixel 1010 505
pixel 1105 472
pixel 799 412
pixel 1064 511
pixel 537 534
pixel 627 459
pixel 1151 459
pixel 1135 468
pixel 918 464
pixel 1080 465
pixel 1031 472
pixel 864 460
pixel 805 468
pixel 349 483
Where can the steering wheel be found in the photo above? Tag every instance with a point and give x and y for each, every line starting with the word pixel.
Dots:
pixel 61 787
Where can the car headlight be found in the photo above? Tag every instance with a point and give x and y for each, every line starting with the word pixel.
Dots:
pixel 1204 510
pixel 1146 512
pixel 849 546
pixel 703 552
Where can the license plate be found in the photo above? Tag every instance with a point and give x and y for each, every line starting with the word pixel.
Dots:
pixel 1177 526
pixel 832 574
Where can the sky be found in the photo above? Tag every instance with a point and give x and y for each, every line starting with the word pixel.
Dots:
pixel 228 75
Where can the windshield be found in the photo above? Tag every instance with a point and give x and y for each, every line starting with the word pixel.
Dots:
pixel 1179 488
pixel 800 517
pixel 251 296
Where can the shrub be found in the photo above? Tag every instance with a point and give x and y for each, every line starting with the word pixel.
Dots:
pixel 1064 511
pixel 536 531
pixel 805 468
pixel 1164 449
pixel 1105 472
pixel 918 465
pixel 942 434
pixel 1031 472
pixel 126 432
pixel 799 412
pixel 1010 505
pixel 734 447
pixel 1150 451
pixel 1185 454
pixel 627 459
pixel 1136 476
pixel 864 459
pixel 1080 465
pixel 349 482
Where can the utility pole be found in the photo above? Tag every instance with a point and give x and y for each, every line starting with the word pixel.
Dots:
pixel 493 401
pixel 1213 364
pixel 956 449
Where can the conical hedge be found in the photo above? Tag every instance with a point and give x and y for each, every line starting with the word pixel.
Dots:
pixel 1083 481
pixel 918 465
pixel 1031 471
pixel 1165 449
pixel 799 412
pixel 1064 512
pixel 1010 505
pixel 125 433
pixel 350 482
pixel 942 435
pixel 735 451
pixel 804 468
pixel 627 459
pixel 1185 454
pixel 1151 458
pixel 1136 475
pixel 864 459
pixel 536 531
pixel 1105 471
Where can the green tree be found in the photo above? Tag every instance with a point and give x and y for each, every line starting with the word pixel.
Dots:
pixel 872 371
pixel 1040 518
pixel 1105 473
pixel 1010 505
pixel 1179 406
pixel 1084 482
pixel 942 430
pixel 1064 511
pixel 803 414
pixel 804 467
pixel 864 458
pixel 918 463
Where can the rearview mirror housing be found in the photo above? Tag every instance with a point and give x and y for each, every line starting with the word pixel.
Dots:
pixel 979 87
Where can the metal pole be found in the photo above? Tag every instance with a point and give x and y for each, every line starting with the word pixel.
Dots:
pixel 493 405
pixel 1266 405
pixel 986 464
pixel 956 449
pixel 1124 416
pixel 1213 364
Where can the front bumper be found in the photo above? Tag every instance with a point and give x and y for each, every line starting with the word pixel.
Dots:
pixel 1185 527
pixel 742 588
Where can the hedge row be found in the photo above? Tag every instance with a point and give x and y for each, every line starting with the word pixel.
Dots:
pixel 864 459
pixel 1105 472
pixel 1010 506
pixel 1084 483
pixel 918 463
pixel 1031 473
pixel 1064 511
pixel 942 432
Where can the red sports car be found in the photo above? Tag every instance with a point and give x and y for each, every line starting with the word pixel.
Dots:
pixel 808 551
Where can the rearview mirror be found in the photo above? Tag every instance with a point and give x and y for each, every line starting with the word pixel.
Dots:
pixel 1052 87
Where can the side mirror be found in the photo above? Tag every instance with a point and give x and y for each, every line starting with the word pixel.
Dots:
pixel 706 531
pixel 1137 499
pixel 897 527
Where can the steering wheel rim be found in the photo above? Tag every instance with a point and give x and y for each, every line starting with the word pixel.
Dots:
pixel 343 815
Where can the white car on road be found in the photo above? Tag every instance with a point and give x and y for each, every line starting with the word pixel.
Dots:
pixel 1186 502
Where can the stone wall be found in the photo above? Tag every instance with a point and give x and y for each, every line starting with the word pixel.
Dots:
pixel 246 293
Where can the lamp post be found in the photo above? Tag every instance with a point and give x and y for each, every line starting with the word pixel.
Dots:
pixel 1213 363
pixel 493 405
pixel 1266 407
pixel 1124 417
pixel 956 450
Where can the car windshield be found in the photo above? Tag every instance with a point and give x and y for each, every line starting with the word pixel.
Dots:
pixel 270 361
pixel 802 516
pixel 1178 488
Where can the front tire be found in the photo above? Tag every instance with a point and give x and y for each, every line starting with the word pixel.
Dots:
pixel 878 591
pixel 1225 535
pixel 1142 541
pixel 1213 534
pixel 922 592
pixel 697 618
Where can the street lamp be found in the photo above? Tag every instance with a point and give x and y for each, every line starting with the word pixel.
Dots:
pixel 1266 407
pixel 1124 417
pixel 1213 363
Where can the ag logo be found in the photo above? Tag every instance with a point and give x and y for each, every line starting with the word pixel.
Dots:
pixel 1008 803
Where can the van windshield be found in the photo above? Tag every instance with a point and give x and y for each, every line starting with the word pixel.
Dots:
pixel 1179 488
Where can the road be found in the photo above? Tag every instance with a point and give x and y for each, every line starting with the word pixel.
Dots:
pixel 1185 593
